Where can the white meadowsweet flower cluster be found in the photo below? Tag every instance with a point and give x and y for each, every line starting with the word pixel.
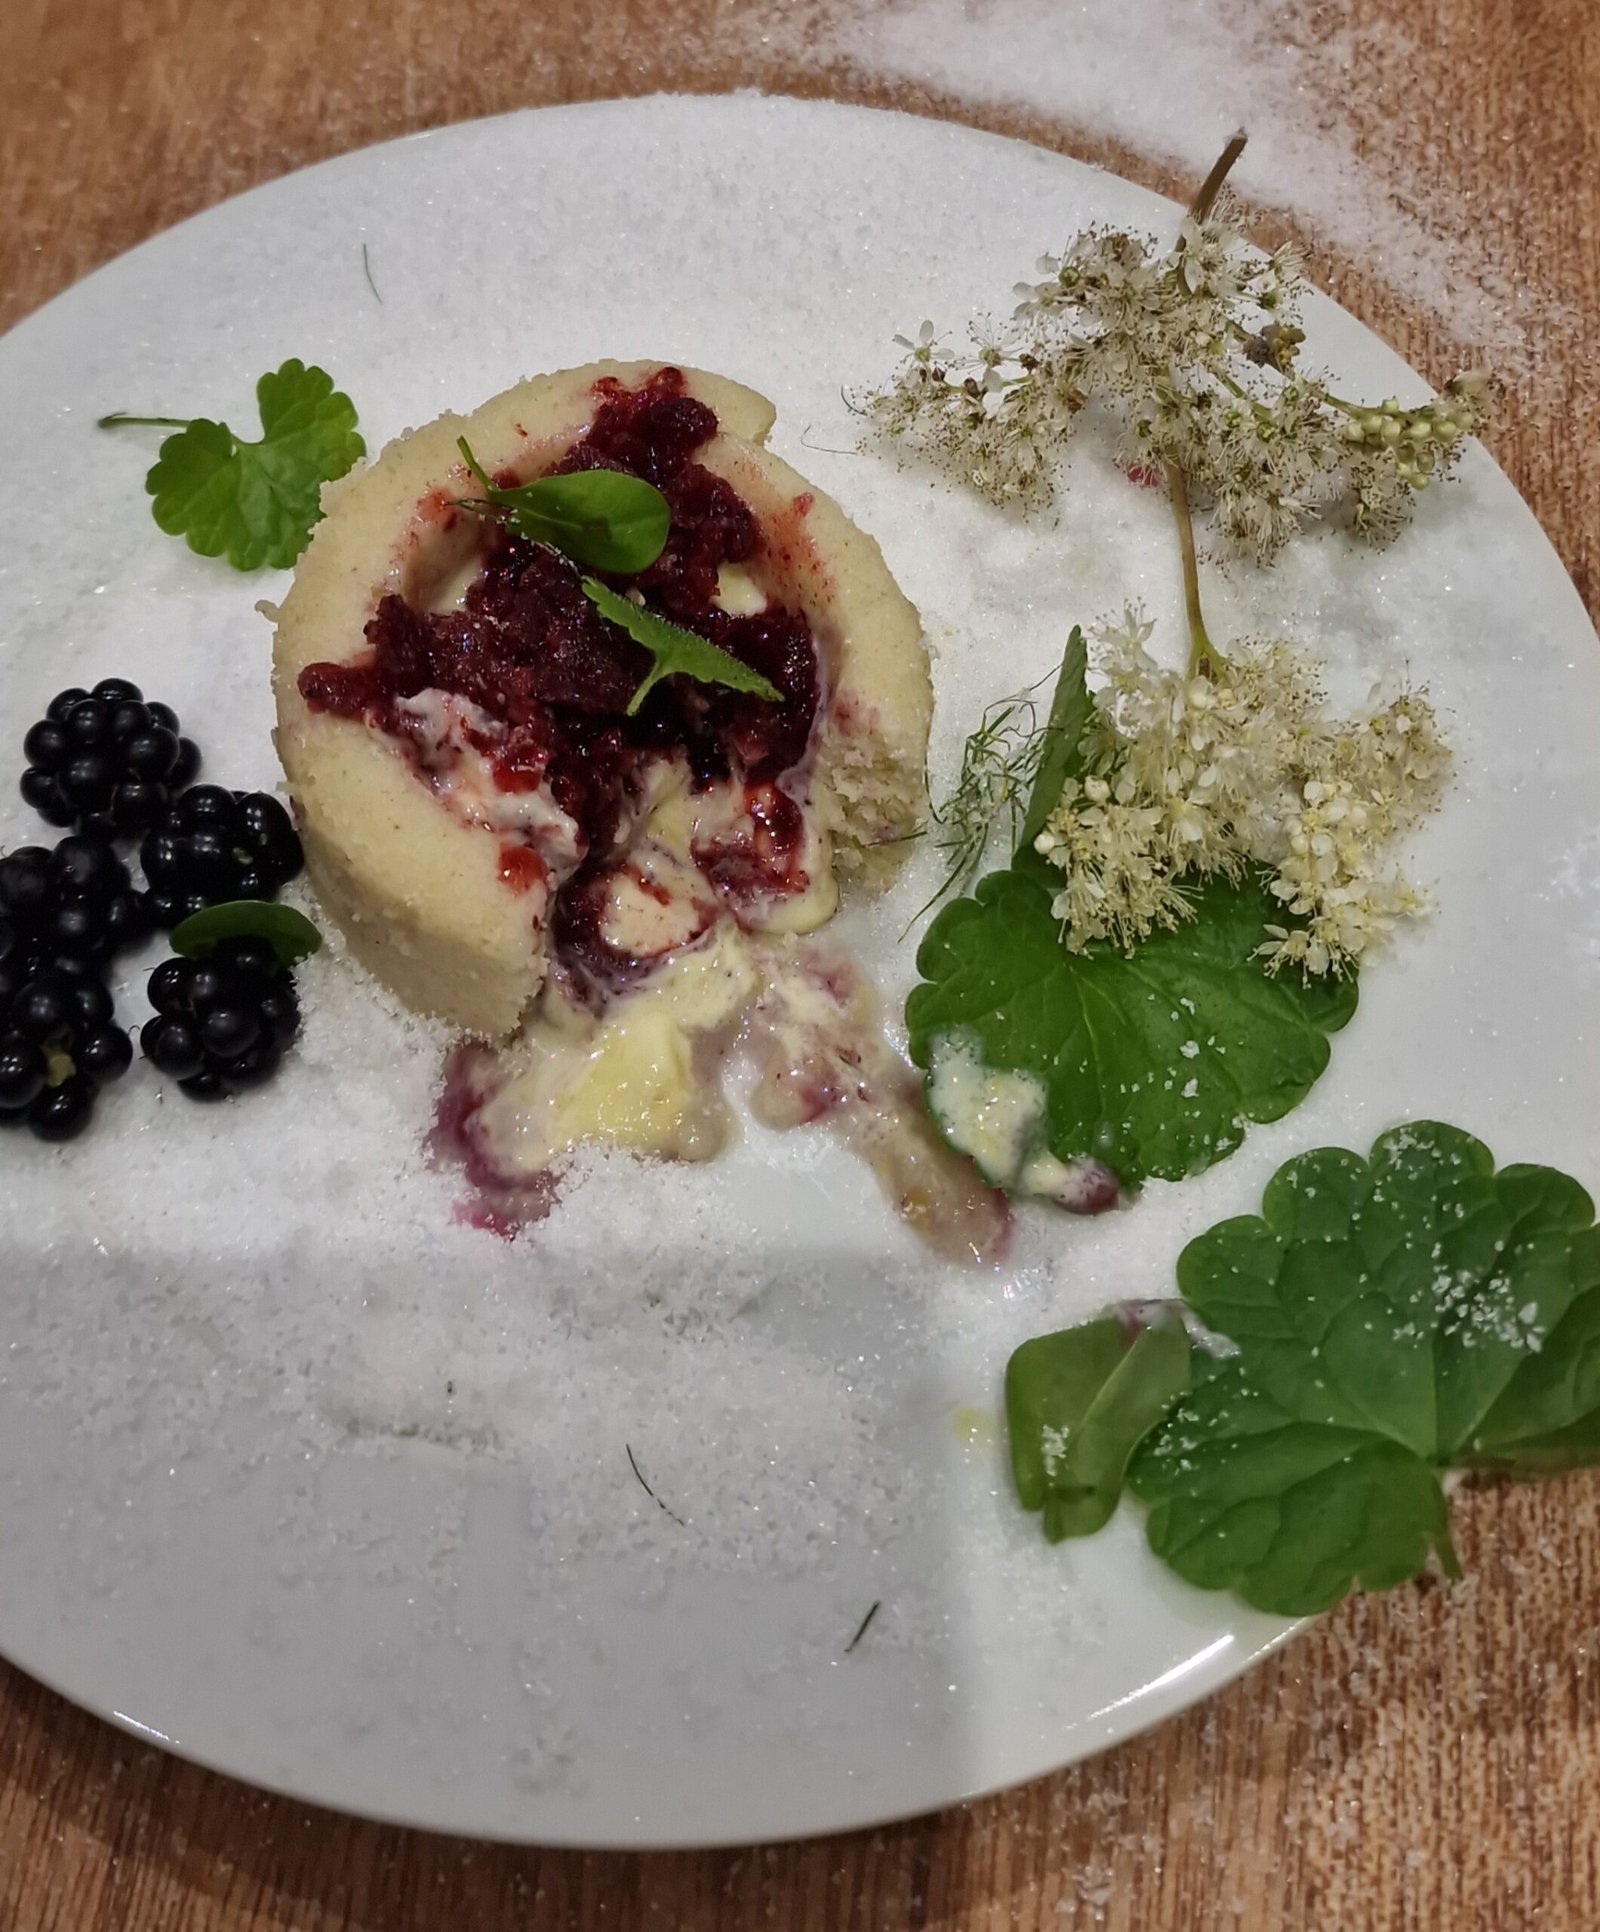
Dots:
pixel 1234 769
pixel 1196 352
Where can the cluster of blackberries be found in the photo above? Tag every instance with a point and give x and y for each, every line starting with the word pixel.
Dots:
pixel 110 763
pixel 105 758
pixel 222 1022
pixel 63 914
pixel 116 766
pixel 214 846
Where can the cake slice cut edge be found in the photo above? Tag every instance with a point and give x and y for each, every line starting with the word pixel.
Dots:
pixel 421 897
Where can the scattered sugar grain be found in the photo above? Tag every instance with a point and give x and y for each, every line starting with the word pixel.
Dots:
pixel 1172 83
pixel 295 1255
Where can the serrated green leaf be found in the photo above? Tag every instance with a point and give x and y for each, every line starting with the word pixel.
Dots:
pixel 676 652
pixel 603 519
pixel 290 933
pixel 1154 1064
pixel 1071 708
pixel 256 502
pixel 1394 1317
pixel 1078 1403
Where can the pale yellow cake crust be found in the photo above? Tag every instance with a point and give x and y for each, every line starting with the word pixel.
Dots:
pixel 418 892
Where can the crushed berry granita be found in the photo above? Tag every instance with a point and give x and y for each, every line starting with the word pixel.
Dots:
pixel 531 651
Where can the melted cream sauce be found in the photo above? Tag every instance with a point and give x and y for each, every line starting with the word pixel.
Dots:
pixel 647 1075
pixel 729 969
pixel 999 1118
pixel 710 902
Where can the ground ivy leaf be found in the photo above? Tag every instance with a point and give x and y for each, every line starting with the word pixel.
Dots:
pixel 676 651
pixel 1302 1303
pixel 1078 1404
pixel 1153 1063
pixel 256 502
pixel 1399 1293
pixel 1393 1317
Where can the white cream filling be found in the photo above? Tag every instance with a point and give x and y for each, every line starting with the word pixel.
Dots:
pixel 738 593
pixel 647 1076
pixel 442 725
pixel 719 817
pixel 698 894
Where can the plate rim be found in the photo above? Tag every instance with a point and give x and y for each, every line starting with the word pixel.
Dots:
pixel 1200 1677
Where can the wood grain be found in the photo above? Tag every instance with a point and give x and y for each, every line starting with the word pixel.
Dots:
pixel 1423 1760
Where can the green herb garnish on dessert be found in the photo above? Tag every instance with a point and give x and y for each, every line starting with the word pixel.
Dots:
pixel 676 652
pixel 601 518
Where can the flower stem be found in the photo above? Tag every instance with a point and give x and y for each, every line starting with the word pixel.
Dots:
pixel 1203 654
pixel 1352 408
pixel 1204 199
pixel 1211 187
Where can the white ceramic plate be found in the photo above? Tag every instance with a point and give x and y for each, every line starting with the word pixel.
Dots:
pixel 311 1484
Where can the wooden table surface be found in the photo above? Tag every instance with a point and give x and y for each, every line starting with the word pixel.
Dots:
pixel 1426 1760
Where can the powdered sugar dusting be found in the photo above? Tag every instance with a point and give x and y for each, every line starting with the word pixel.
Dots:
pixel 347 1481
pixel 1171 83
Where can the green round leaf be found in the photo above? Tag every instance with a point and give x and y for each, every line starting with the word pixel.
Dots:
pixel 602 519
pixel 1289 1515
pixel 1153 1063
pixel 256 502
pixel 1391 1318
pixel 291 934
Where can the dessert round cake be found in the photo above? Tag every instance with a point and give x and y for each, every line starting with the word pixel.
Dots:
pixel 481 812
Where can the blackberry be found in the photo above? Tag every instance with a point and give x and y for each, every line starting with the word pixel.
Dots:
pixel 222 1023
pixel 106 1053
pixel 62 1112
pixel 106 758
pixel 216 845
pixel 27 886
pixel 59 1044
pixel 63 913
pixel 22 1072
pixel 77 902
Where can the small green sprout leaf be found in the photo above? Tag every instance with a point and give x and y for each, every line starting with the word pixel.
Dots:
pixel 1078 1404
pixel 602 519
pixel 290 934
pixel 1008 758
pixel 255 502
pixel 676 652
pixel 1061 753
